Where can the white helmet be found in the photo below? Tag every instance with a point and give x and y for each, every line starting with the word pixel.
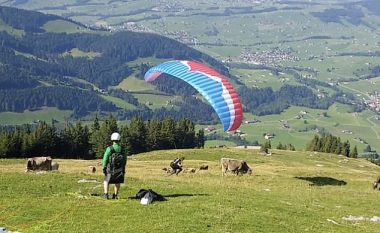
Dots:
pixel 115 137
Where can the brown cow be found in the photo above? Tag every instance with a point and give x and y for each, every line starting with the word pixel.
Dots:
pixel 39 163
pixel 203 167
pixel 238 167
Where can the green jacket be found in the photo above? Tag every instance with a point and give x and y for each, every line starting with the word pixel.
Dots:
pixel 107 154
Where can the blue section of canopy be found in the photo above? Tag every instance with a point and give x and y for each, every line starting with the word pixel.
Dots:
pixel 211 88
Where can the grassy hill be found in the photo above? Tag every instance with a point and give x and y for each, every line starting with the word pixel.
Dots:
pixel 287 192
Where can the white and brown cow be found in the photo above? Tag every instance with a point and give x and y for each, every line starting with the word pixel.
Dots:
pixel 54 166
pixel 376 183
pixel 39 163
pixel 238 167
pixel 91 169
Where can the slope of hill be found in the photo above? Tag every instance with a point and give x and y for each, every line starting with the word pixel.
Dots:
pixel 327 48
pixel 287 192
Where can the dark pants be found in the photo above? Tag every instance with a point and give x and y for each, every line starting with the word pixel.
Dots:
pixel 176 168
pixel 117 178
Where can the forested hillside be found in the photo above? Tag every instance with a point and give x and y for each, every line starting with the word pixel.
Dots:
pixel 38 69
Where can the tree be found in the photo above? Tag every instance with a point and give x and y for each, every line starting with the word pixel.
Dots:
pixel 367 148
pixel 338 149
pixel 266 146
pixel 103 138
pixel 124 133
pixel 346 148
pixel 95 137
pixel 46 140
pixel 290 147
pixel 327 144
pixel 354 152
pixel 280 146
pixel 27 144
pixel 314 144
pixel 168 134
pixel 137 140
pixel 80 141
pixel 200 138
pixel 3 147
pixel 185 134
pixel 65 145
pixel 154 135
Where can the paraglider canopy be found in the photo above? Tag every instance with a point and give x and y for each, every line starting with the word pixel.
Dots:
pixel 210 84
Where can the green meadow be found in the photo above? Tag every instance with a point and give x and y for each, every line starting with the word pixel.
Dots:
pixel 263 78
pixel 28 117
pixel 75 52
pixel 154 101
pixel 119 102
pixel 60 26
pixel 134 84
pixel 10 30
pixel 287 192
pixel 364 86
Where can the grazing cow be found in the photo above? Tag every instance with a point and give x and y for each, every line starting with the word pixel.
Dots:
pixel 39 163
pixel 238 167
pixel 376 183
pixel 54 166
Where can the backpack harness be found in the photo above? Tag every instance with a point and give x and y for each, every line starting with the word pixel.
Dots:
pixel 116 162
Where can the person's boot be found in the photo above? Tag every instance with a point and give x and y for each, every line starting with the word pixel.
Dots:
pixel 105 196
pixel 114 196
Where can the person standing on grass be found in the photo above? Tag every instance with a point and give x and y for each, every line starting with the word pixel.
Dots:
pixel 176 165
pixel 114 162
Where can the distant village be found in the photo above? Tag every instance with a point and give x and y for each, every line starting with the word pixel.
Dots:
pixel 271 57
pixel 268 57
pixel 167 7
pixel 128 26
pixel 374 101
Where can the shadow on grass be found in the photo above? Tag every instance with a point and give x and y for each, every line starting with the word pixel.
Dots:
pixel 185 195
pixel 176 195
pixel 322 181
pixel 160 197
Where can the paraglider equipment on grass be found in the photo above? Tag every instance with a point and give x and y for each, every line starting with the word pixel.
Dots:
pixel 210 84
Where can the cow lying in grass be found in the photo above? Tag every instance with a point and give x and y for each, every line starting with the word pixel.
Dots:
pixel 238 167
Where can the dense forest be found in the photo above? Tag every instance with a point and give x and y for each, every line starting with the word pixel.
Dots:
pixel 331 144
pixel 89 142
